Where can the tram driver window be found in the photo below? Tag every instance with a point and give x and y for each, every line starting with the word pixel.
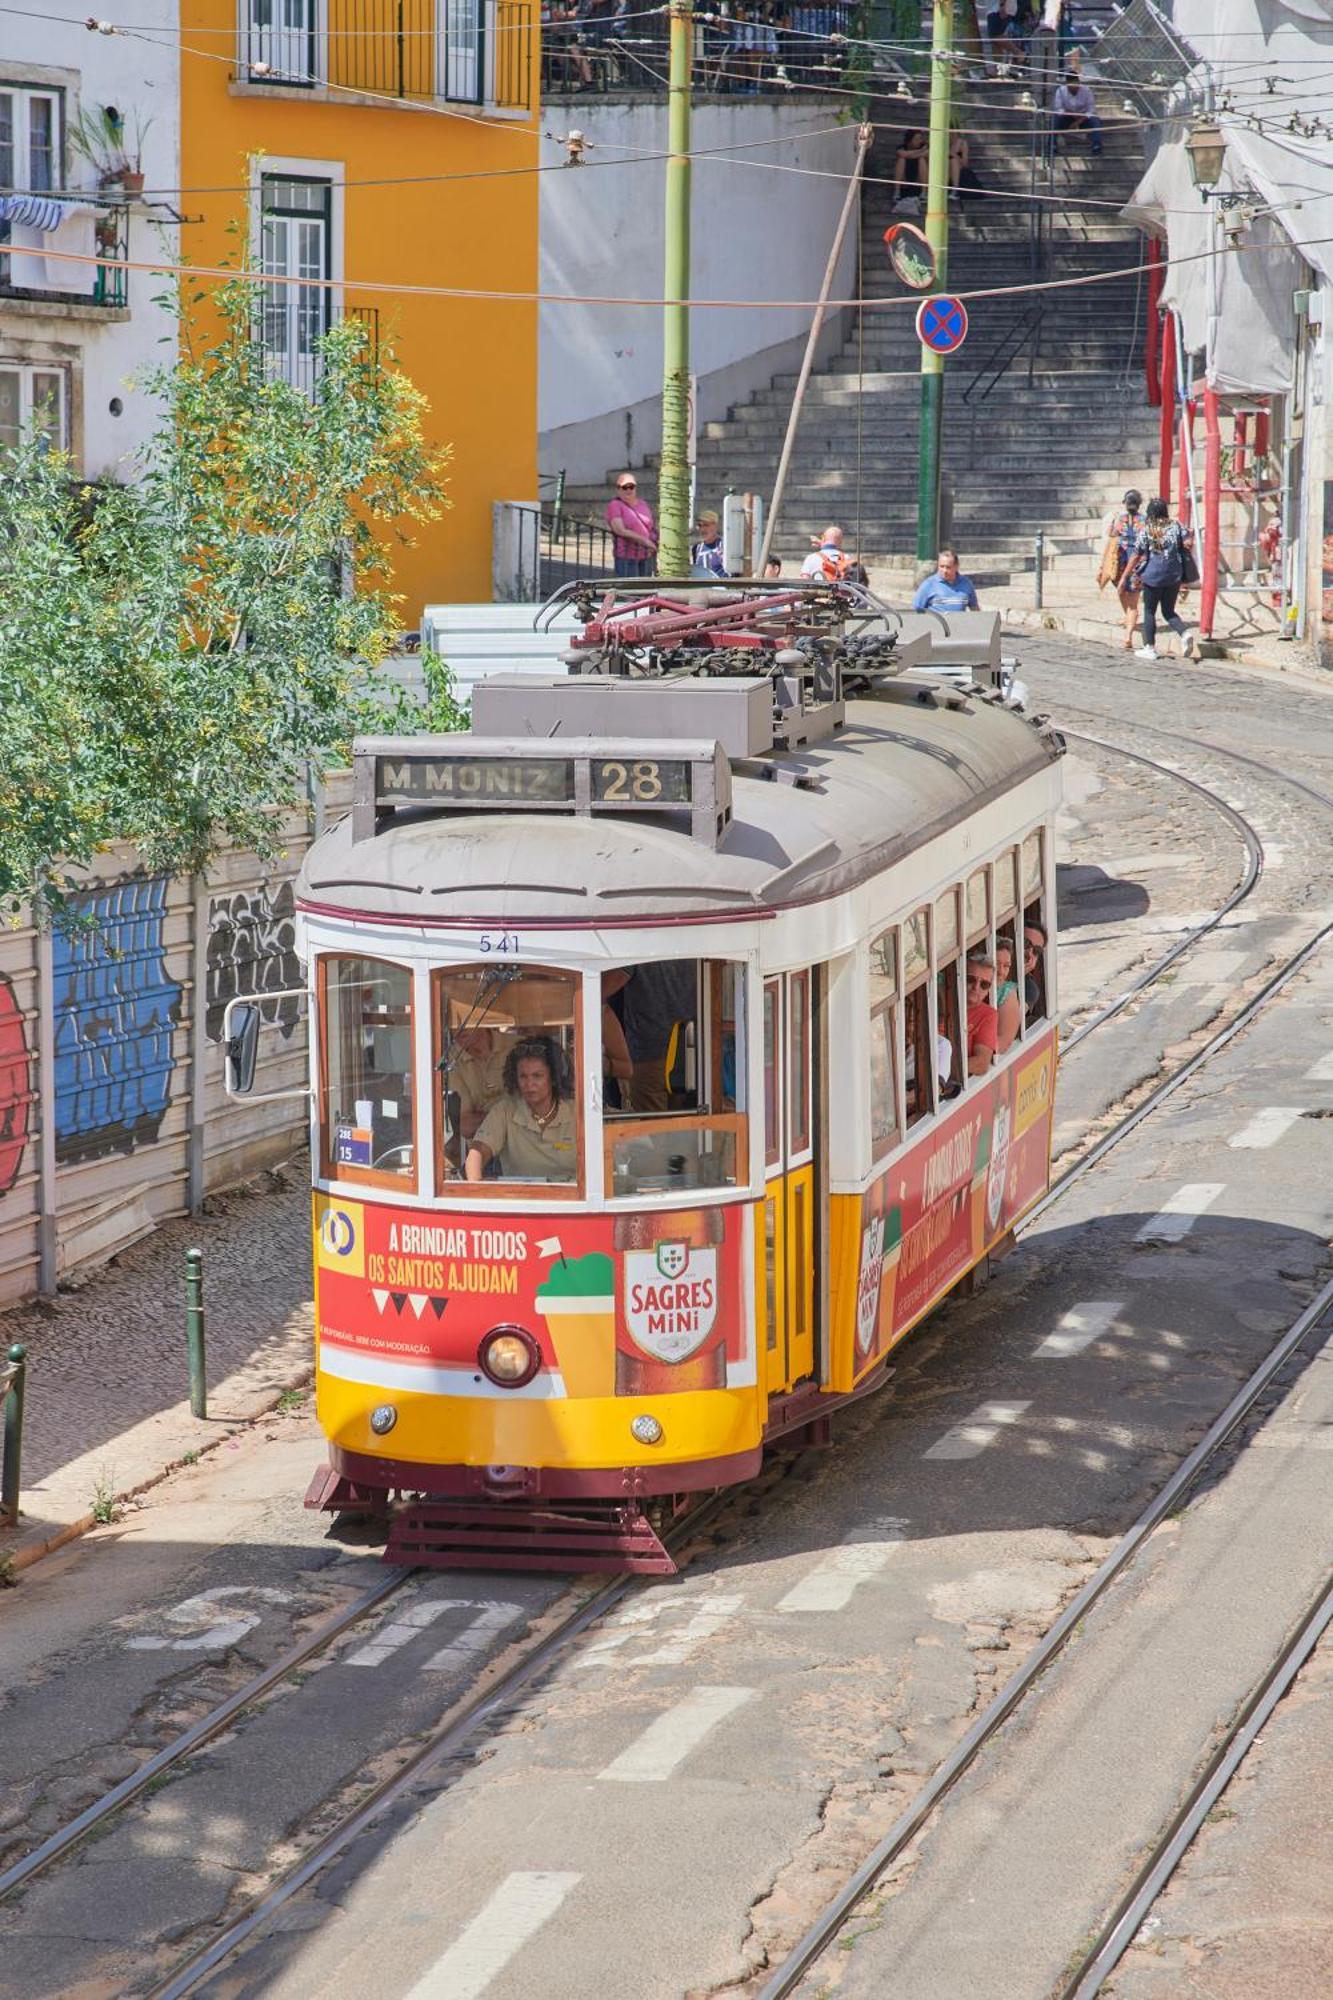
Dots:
pixel 683 1125
pixel 367 1080
pixel 927 1058
pixel 506 1064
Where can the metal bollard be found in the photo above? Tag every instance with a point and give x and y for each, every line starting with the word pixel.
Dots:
pixel 1039 571
pixel 12 1466
pixel 194 1331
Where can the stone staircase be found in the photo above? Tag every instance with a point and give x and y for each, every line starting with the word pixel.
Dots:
pixel 1049 444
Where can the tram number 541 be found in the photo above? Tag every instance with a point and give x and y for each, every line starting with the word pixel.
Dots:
pixel 504 943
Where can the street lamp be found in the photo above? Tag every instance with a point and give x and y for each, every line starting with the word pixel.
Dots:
pixel 1206 148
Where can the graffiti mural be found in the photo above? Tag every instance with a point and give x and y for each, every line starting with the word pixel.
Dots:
pixel 116 1009
pixel 252 952
pixel 15 1086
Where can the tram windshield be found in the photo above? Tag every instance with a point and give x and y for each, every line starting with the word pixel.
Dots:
pixel 367 1079
pixel 676 1119
pixel 507 1065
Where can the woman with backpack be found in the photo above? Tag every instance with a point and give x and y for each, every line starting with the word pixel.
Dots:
pixel 1162 559
pixel 1122 532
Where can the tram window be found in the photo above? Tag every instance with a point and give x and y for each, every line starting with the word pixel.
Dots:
pixel 772 1092
pixel 1006 884
pixel 916 947
pixel 1008 974
pixel 949 1030
pixel 1034 962
pixel 946 926
pixel 978 906
pixel 367 1074
pixel 507 1070
pixel 699 1137
pixel 883 1086
pixel 798 1070
pixel 922 1072
pixel 1032 866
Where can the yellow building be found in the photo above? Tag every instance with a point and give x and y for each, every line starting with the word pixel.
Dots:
pixel 354 139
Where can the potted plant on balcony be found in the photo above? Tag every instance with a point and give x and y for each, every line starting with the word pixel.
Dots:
pixel 112 149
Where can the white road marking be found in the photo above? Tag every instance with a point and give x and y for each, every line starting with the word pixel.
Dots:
pixel 965 1440
pixel 834 1581
pixel 491 1620
pixel 666 1742
pixel 400 1627
pixel 516 1912
pixel 202 1611
pixel 1322 1071
pixel 1265 1128
pixel 704 1618
pixel 1078 1328
pixel 1175 1219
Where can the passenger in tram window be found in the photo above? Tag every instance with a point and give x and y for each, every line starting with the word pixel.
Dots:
pixel 617 1067
pixel 916 1030
pixel 658 1009
pixel 533 1131
pixel 1034 967
pixel 1008 1006
pixel 982 1015
pixel 474 1069
pixel 949 1044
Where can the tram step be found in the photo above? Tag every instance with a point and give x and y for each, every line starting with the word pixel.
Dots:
pixel 444 1534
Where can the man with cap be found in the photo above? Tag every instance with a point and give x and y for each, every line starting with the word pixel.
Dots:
pixel 706 554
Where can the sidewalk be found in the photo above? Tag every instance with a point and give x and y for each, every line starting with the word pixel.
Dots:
pixel 107 1395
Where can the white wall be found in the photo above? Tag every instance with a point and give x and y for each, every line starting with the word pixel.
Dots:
pixel 106 353
pixel 757 234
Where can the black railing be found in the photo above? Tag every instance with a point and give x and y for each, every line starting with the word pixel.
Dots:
pixel 1023 333
pixel 111 239
pixel 617 45
pixel 554 550
pixel 421 51
pixel 368 319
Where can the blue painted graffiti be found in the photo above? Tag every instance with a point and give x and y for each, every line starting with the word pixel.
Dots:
pixel 116 1010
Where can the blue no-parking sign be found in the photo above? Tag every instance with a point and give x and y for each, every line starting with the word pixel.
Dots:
pixel 941 323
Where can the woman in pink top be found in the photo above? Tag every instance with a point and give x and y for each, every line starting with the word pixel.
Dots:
pixel 631 522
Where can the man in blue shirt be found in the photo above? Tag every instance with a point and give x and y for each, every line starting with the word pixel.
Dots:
pixel 948 589
pixel 706 556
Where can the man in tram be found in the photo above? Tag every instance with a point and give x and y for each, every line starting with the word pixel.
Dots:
pixel 657 1008
pixel 475 1071
pixel 983 1020
pixel 533 1130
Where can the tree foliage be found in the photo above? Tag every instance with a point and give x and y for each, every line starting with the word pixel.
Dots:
pixel 177 654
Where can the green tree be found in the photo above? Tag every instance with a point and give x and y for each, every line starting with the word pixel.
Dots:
pixel 178 653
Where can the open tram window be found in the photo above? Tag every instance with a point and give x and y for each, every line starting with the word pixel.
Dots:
pixel 367 1073
pixel 507 1076
pixel 927 1057
pixel 1035 933
pixel 688 1026
pixel 948 993
pixel 883 1082
pixel 1008 953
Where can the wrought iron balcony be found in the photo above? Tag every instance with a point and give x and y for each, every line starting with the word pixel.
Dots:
pixel 418 51
pixel 90 225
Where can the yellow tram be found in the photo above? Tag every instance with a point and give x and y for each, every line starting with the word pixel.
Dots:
pixel 654 1096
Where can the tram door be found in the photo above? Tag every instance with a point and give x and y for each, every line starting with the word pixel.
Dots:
pixel 790 1192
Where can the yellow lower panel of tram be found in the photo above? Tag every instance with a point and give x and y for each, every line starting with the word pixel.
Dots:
pixel 785 1280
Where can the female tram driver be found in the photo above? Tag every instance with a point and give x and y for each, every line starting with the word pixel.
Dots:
pixel 532 1131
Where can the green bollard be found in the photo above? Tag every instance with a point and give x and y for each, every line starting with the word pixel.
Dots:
pixel 194 1331
pixel 12 1465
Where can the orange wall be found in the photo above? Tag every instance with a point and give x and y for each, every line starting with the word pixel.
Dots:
pixel 475 361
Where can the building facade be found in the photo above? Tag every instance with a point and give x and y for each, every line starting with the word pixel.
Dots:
pixel 366 151
pixel 89 165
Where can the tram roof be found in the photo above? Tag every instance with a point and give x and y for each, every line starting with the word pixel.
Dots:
pixel 842 809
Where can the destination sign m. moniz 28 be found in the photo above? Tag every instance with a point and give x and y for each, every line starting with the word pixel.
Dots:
pixel 582 775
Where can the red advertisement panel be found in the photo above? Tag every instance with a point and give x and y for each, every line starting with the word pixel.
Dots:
pixel 940 1207
pixel 619 1305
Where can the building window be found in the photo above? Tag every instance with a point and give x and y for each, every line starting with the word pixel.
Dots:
pixel 34 403
pixel 296 243
pixel 464 55
pixel 29 139
pixel 280 41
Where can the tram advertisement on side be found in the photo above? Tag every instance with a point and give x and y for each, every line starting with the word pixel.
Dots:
pixel 619 1305
pixel 944 1203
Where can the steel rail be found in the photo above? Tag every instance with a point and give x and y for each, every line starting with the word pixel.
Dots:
pixel 200 1732
pixel 1122 1926
pixel 906 1827
pixel 444 1741
pixel 1254 864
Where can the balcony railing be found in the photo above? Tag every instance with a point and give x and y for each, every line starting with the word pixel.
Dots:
pixel 90 225
pixel 618 46
pixel 419 51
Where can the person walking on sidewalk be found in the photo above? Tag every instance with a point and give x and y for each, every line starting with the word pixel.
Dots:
pixel 631 523
pixel 948 589
pixel 1158 563
pixel 1122 531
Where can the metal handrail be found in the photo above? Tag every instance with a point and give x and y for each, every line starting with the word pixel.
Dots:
pixel 1024 332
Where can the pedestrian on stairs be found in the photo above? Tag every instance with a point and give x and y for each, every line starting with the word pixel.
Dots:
pixel 1075 109
pixel 909 168
pixel 631 523
pixel 1161 548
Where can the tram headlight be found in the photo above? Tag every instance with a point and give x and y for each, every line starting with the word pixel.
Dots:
pixel 646 1430
pixel 509 1356
pixel 383 1418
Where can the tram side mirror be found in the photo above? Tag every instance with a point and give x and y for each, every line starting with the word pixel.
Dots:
pixel 242 1046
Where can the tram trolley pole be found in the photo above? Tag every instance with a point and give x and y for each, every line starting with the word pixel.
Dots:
pixel 194 1332
pixel 1039 567
pixel 937 232
pixel 673 496
pixel 13 1384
